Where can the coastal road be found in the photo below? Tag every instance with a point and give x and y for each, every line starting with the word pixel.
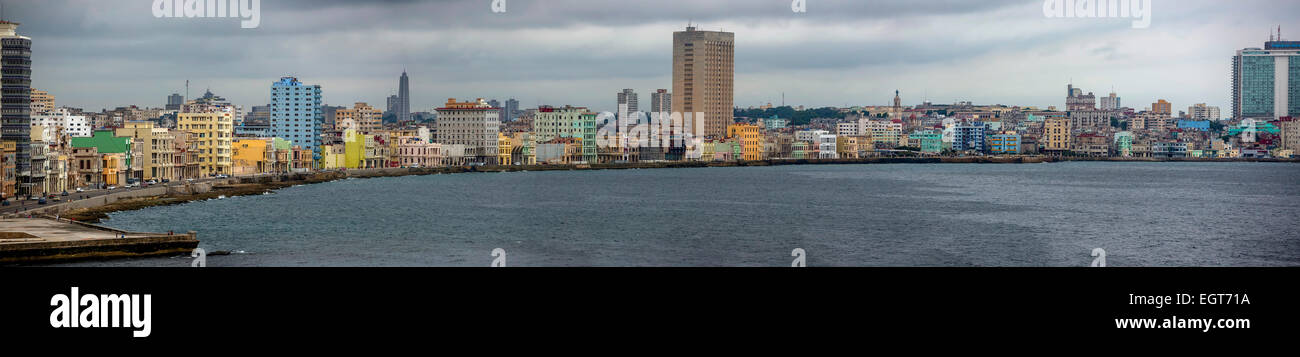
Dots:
pixel 20 205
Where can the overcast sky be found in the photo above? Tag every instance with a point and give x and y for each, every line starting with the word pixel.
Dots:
pixel 95 54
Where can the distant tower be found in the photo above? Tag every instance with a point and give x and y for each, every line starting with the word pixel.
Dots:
pixel 898 101
pixel 404 99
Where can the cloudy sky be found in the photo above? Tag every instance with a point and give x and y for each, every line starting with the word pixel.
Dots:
pixel 94 54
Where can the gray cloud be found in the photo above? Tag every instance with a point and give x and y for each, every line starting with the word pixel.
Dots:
pixel 96 54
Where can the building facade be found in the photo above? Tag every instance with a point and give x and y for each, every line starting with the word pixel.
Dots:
pixel 296 113
pixel 704 79
pixel 474 124
pixel 211 135
pixel 1266 82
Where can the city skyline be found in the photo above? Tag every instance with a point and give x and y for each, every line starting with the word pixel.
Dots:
pixel 943 53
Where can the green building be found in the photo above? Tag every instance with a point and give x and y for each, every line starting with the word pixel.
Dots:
pixel 106 143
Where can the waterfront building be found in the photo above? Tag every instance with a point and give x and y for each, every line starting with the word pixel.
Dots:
pixel 1007 143
pixel 826 147
pixel 1090 144
pixel 505 146
pixel 929 141
pixel 969 137
pixel 850 147
pixel 114 153
pixel 750 139
pixel 416 152
pixel 8 175
pixel 704 78
pixel 155 150
pixel 1124 144
pixel 73 125
pixel 1057 135
pixel 296 113
pixel 473 124
pixel 211 134
pixel 1168 149
pixel 16 56
pixel 568 121
pixel 251 156
pixel 1266 82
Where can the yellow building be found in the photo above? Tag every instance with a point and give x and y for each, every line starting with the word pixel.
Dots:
pixel 848 146
pixel 1057 135
pixel 505 146
pixel 212 134
pixel 154 149
pixel 750 137
pixel 248 156
pixel 333 157
pixel 113 169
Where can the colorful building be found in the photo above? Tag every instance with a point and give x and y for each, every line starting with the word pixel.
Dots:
pixel 750 138
pixel 1004 144
pixel 212 134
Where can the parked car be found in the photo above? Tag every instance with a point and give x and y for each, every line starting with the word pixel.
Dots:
pixel 166 180
pixel 41 201
pixel 65 193
pixel 6 203
pixel 80 190
pixel 112 187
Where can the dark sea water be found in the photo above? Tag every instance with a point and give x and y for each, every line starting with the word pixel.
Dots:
pixel 1142 214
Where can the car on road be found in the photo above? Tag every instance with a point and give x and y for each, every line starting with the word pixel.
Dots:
pixel 80 190
pixel 65 193
pixel 41 201
pixel 6 203
pixel 112 187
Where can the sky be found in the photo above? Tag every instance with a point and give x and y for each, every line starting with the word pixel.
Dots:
pixel 94 54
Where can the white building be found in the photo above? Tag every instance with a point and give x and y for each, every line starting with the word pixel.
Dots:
pixel 74 125
pixel 474 125
pixel 826 147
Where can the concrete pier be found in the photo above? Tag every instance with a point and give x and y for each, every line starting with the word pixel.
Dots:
pixel 46 239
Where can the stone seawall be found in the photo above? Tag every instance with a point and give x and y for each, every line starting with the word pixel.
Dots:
pixel 56 240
